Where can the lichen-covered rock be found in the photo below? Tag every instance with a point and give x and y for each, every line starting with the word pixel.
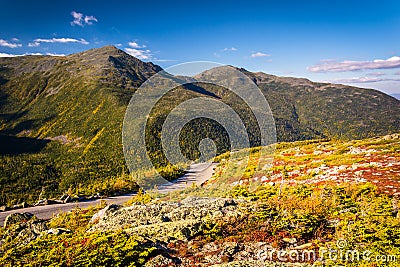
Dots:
pixel 16 218
pixel 24 231
pixel 166 220
pixel 159 261
pixel 165 232
pixel 103 212
pixel 154 213
pixel 58 231
pixel 233 254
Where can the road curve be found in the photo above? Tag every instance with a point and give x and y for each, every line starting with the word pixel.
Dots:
pixel 197 173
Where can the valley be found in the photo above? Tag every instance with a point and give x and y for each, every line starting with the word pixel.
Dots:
pixel 61 120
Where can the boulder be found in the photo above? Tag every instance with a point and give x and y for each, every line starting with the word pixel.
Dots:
pixel 23 232
pixel 58 231
pixel 21 206
pixel 165 221
pixel 41 202
pixel 159 260
pixel 102 213
pixel 17 218
pixel 194 201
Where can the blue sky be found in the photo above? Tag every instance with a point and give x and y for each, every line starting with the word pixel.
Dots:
pixel 351 42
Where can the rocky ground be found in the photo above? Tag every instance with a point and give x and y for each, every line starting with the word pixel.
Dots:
pixel 375 160
pixel 318 196
pixel 172 227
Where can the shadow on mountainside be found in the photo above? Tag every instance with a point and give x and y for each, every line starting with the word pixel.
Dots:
pixel 12 145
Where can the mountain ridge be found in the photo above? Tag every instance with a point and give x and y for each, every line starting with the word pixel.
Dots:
pixel 67 114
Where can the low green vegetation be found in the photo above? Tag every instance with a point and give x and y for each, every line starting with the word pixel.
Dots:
pixel 80 248
pixel 314 216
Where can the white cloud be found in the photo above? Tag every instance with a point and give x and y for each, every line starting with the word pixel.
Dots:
pixel 7 55
pixel 55 55
pixel 347 65
pixel 82 20
pixel 90 19
pixel 26 54
pixel 229 49
pixel 364 80
pixel 136 51
pixel 140 54
pixel 259 54
pixel 10 44
pixel 135 45
pixel 37 42
pixel 78 18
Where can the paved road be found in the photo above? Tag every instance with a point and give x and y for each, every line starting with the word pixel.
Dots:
pixel 197 173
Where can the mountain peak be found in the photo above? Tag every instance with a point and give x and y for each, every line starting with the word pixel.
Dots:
pixel 97 53
pixel 115 66
pixel 108 49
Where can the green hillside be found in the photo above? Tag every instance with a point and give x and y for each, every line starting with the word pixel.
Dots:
pixel 335 196
pixel 61 119
pixel 305 109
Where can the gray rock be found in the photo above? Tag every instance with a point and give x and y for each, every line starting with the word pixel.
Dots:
pixel 17 218
pixel 41 202
pixel 102 213
pixel 166 221
pixel 24 232
pixel 58 231
pixel 159 260
pixel 38 226
pixel 20 206
pixel 46 201
pixel 193 208
pixel 194 201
